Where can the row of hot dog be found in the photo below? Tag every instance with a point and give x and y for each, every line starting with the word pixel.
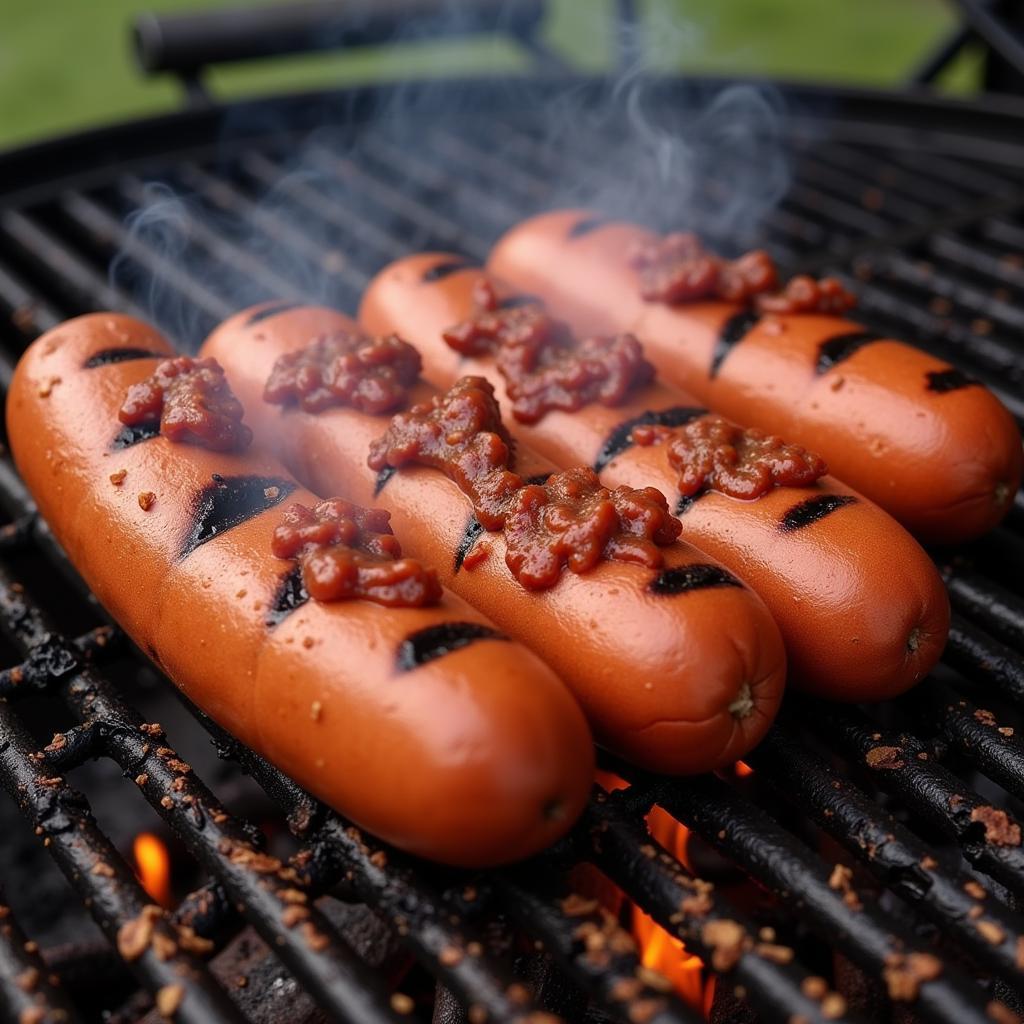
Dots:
pixel 429 683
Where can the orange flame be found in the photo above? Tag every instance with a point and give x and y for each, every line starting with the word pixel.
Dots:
pixel 668 956
pixel 153 866
pixel 661 951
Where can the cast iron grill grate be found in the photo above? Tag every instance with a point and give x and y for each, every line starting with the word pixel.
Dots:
pixel 920 207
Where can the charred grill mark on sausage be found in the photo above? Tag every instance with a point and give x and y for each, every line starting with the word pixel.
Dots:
pixel 619 440
pixel 474 530
pixel 382 478
pixel 436 641
pixel 515 301
pixel 289 597
pixel 271 310
pixel 229 502
pixel 813 509
pixel 109 356
pixel 126 437
pixel 839 348
pixel 683 578
pixel 735 329
pixel 442 270
pixel 588 224
pixel 685 503
pixel 470 536
pixel 941 381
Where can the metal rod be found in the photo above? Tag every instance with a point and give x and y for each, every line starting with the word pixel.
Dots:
pixel 957 903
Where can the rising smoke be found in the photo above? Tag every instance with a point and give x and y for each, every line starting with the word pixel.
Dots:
pixel 431 166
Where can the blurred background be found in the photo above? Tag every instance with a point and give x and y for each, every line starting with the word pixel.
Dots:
pixel 65 64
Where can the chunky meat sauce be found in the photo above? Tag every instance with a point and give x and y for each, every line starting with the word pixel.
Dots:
pixel 460 433
pixel 345 551
pixel 543 366
pixel 569 520
pixel 191 401
pixel 372 375
pixel 678 268
pixel 711 453
pixel 805 294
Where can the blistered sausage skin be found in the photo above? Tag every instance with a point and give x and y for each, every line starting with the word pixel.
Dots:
pixel 678 670
pixel 861 607
pixel 937 451
pixel 423 725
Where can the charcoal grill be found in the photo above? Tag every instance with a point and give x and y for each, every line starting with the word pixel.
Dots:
pixel 917 202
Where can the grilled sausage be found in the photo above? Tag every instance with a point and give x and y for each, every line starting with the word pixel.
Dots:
pixel 917 436
pixel 861 607
pixel 425 725
pixel 678 670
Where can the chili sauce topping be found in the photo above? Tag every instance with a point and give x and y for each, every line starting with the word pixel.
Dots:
pixel 372 375
pixel 460 433
pixel 191 401
pixel 569 520
pixel 678 268
pixel 345 551
pixel 544 367
pixel 572 520
pixel 712 454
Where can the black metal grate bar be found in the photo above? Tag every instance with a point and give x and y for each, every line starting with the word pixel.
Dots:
pixel 27 989
pixel 955 902
pixel 902 764
pixel 272 893
pixel 619 844
pixel 767 852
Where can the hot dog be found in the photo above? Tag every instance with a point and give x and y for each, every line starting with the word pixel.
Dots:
pixel 933 448
pixel 678 668
pixel 423 724
pixel 861 607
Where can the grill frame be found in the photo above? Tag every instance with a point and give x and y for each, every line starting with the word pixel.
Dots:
pixel 612 834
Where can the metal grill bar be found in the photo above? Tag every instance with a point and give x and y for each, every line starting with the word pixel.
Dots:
pixel 27 992
pixel 955 902
pixel 267 889
pixel 973 652
pixel 390 884
pixel 902 764
pixel 767 852
pixel 619 844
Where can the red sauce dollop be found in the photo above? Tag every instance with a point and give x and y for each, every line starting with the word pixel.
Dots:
pixel 570 520
pixel 460 433
pixel 372 375
pixel 192 402
pixel 543 366
pixel 804 294
pixel 711 453
pixel 346 551
pixel 678 268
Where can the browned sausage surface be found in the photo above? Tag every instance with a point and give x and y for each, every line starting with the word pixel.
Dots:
pixel 425 725
pixel 679 669
pixel 933 448
pixel 862 609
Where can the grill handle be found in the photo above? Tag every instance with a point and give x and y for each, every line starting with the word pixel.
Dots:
pixel 185 44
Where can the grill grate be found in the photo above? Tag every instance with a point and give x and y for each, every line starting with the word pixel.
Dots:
pixel 920 207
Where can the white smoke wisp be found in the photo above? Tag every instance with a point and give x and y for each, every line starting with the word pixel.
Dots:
pixel 352 191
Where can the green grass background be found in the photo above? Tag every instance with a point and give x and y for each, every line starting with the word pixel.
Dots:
pixel 66 64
